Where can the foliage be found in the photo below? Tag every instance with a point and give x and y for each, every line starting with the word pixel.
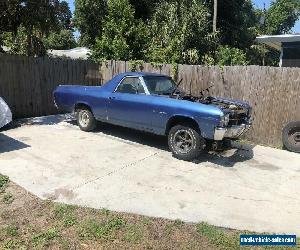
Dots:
pixel 24 24
pixel 166 31
pixel 230 56
pixel 136 65
pixel 224 56
pixel 105 229
pixel 61 40
pixel 208 60
pixel 45 237
pixel 179 32
pixel 237 22
pixel 11 230
pixel 88 19
pixel 144 9
pixel 262 55
pixel 218 237
pixel 3 182
pixel 123 37
pixel 9 15
pixel 8 198
pixel 64 15
pixel 282 16
pixel 17 42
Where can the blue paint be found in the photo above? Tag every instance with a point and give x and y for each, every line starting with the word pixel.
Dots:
pixel 149 113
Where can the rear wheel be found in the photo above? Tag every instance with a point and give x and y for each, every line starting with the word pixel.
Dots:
pixel 86 120
pixel 291 136
pixel 185 142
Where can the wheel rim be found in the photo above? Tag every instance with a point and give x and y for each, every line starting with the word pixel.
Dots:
pixel 294 136
pixel 84 118
pixel 183 141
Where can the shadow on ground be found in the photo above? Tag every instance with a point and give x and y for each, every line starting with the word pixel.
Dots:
pixel 8 144
pixel 237 153
pixel 228 158
pixel 43 120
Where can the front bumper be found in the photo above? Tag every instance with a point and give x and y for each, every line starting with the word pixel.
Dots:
pixel 232 132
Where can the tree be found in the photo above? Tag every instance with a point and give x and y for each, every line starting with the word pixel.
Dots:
pixel 282 16
pixel 16 41
pixel 88 19
pixel 144 9
pixel 236 23
pixel 61 37
pixel 230 56
pixel 33 20
pixel 123 37
pixel 64 16
pixel 61 40
pixel 179 32
pixel 27 23
pixel 10 18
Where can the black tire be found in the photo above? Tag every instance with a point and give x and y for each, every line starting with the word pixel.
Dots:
pixel 191 148
pixel 85 119
pixel 291 136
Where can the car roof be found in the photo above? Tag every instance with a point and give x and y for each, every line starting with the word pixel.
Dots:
pixel 142 74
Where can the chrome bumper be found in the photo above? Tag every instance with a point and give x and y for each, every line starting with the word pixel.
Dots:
pixel 232 132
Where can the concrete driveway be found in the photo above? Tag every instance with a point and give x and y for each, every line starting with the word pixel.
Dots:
pixel 248 188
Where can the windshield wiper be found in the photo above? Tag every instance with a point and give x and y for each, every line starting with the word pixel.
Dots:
pixel 176 88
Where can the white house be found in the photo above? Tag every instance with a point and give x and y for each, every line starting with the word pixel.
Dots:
pixel 76 53
pixel 288 45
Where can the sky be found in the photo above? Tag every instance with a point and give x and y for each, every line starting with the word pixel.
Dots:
pixel 257 4
pixel 260 4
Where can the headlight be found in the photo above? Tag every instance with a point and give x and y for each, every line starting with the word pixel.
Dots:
pixel 224 120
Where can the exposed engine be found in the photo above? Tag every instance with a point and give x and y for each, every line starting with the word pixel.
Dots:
pixel 239 112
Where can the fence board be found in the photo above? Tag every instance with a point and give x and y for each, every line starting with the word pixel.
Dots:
pixel 27 85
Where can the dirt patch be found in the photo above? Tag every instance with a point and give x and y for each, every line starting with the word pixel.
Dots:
pixel 26 222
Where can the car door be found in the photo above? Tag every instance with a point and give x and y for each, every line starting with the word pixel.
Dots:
pixel 130 106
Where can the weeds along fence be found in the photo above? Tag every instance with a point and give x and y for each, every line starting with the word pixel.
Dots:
pixel 274 93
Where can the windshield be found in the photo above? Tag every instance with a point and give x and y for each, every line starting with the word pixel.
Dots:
pixel 160 85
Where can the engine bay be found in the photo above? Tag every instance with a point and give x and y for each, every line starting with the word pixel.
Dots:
pixel 239 112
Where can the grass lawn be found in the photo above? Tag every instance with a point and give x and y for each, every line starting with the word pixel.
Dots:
pixel 27 222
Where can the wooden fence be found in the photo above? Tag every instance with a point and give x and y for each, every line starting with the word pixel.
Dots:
pixel 27 85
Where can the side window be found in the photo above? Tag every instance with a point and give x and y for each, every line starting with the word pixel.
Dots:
pixel 131 85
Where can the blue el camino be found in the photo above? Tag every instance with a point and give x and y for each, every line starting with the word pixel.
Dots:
pixel 154 103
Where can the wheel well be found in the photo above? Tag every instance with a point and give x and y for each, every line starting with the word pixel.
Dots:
pixel 82 106
pixel 181 120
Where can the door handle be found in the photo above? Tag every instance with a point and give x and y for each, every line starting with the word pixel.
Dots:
pixel 111 98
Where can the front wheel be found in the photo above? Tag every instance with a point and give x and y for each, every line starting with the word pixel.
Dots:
pixel 86 120
pixel 291 136
pixel 185 142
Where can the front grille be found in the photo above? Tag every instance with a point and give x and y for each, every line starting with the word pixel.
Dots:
pixel 237 119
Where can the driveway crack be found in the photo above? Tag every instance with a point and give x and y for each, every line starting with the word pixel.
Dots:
pixel 114 171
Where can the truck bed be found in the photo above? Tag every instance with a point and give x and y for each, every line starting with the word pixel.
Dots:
pixel 66 96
